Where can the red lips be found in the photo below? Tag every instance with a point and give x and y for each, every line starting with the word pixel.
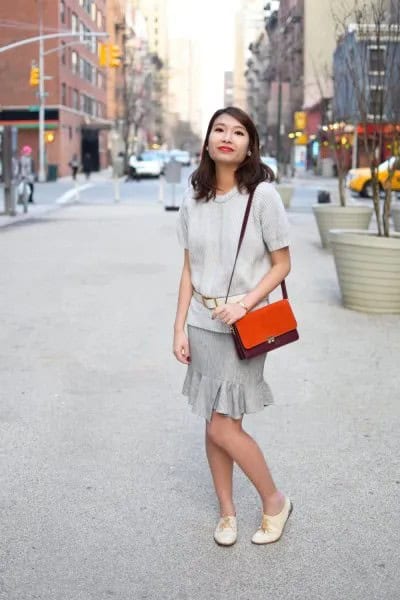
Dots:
pixel 225 149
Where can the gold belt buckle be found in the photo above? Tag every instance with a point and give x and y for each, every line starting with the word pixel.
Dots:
pixel 205 298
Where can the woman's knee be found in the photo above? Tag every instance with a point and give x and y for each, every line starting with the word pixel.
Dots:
pixel 221 428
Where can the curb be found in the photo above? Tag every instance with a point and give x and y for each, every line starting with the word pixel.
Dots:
pixel 69 197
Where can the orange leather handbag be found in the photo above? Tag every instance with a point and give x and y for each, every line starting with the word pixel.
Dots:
pixel 266 328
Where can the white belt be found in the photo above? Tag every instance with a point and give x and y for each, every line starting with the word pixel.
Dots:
pixel 212 303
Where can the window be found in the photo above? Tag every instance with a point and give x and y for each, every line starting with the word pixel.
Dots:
pixel 64 94
pixel 62 11
pixel 93 11
pixel 63 54
pixel 376 102
pixel 74 23
pixel 376 59
pixel 99 19
pixel 75 61
pixel 75 99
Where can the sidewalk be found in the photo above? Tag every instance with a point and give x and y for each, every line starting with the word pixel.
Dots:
pixel 106 491
pixel 49 196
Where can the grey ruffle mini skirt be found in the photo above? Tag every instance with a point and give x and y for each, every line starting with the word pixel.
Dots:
pixel 216 380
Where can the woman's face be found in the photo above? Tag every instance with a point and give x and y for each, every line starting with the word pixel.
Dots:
pixel 228 141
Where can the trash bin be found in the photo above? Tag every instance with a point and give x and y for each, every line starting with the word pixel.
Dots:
pixel 52 172
pixel 324 197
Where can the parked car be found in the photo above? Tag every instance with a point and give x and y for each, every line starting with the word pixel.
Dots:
pixel 271 162
pixel 163 156
pixel 145 165
pixel 181 156
pixel 359 180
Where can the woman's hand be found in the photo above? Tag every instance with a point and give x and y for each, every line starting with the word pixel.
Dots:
pixel 228 313
pixel 181 347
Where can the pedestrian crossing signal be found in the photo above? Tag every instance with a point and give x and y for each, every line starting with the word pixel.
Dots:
pixel 34 76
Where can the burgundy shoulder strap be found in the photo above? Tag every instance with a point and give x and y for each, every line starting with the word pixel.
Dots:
pixel 241 236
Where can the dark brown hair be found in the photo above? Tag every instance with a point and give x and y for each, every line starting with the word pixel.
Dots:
pixel 248 174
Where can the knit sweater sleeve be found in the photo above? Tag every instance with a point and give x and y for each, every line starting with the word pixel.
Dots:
pixel 271 215
pixel 183 220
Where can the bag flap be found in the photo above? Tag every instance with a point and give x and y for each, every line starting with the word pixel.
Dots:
pixel 267 322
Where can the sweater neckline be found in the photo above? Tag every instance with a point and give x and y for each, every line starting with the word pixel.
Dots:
pixel 221 198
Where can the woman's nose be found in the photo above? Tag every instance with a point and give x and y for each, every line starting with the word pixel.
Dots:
pixel 226 137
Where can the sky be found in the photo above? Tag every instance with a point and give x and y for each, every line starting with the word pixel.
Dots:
pixel 211 22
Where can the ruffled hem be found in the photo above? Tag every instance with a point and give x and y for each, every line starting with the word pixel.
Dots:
pixel 206 395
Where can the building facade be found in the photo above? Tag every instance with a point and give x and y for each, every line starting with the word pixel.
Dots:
pixel 366 71
pixel 248 24
pixel 274 76
pixel 76 120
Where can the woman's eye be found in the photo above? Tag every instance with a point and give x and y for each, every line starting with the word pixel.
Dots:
pixel 218 129
pixel 239 132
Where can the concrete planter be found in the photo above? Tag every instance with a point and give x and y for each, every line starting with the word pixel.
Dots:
pixel 368 269
pixel 286 193
pixel 396 215
pixel 333 216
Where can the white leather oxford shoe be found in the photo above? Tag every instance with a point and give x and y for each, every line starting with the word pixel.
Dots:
pixel 225 533
pixel 272 526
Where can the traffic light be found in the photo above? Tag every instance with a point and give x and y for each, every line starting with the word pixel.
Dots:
pixel 109 55
pixel 34 76
pixel 103 55
pixel 115 56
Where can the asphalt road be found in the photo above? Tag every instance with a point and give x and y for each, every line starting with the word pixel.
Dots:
pixel 105 492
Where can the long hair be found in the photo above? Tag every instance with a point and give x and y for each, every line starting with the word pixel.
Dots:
pixel 248 174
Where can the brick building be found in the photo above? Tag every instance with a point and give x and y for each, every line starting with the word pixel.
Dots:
pixel 76 96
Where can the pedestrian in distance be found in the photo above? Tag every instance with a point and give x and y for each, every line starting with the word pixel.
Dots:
pixel 220 387
pixel 27 171
pixel 87 164
pixel 74 165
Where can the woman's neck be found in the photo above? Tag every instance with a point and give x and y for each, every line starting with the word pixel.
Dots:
pixel 226 179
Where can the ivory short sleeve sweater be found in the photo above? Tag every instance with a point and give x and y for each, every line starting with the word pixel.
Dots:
pixel 210 231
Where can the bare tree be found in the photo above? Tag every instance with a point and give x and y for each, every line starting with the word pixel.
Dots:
pixel 333 133
pixel 137 92
pixel 367 63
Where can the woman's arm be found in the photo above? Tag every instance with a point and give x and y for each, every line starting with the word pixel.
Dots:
pixel 181 344
pixel 280 267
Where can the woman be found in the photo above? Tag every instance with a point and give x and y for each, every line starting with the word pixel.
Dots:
pixel 27 171
pixel 220 387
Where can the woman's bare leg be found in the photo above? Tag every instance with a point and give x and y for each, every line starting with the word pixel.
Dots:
pixel 221 467
pixel 228 435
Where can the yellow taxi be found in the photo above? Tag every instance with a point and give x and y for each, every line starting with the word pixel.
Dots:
pixel 359 180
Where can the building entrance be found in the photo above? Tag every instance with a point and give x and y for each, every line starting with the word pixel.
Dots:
pixel 90 145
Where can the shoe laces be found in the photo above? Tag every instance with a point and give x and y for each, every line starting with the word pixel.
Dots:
pixel 265 524
pixel 225 523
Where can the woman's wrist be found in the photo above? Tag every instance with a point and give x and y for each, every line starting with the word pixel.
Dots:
pixel 244 305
